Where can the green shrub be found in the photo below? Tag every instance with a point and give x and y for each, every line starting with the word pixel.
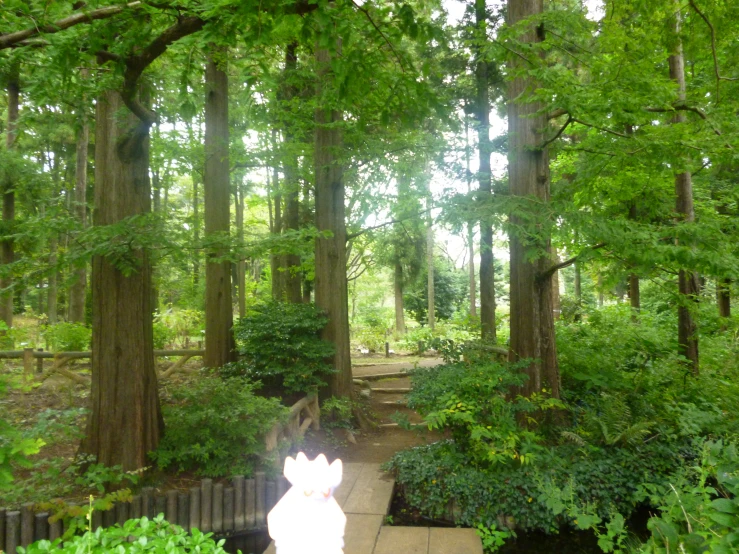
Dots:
pixel 136 535
pixel 216 427
pixel 163 335
pixel 68 337
pixel 607 479
pixel 280 345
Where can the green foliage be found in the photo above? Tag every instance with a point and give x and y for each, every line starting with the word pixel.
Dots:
pixel 15 448
pixel 280 344
pixel 337 413
pixel 68 337
pixel 371 329
pixel 178 323
pixel 451 288
pixel 699 510
pixel 136 535
pixel 471 402
pixel 163 335
pixel 216 427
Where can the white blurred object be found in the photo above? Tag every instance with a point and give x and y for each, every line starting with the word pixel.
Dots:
pixel 308 520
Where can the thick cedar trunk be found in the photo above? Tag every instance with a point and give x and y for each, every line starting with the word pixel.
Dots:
pixel 578 284
pixel 487 268
pixel 399 308
pixel 241 265
pixel 292 276
pixel 723 297
pixel 331 291
pixel 125 421
pixel 687 280
pixel 532 323
pixel 634 295
pixel 219 341
pixel 77 291
pixel 7 255
pixel 52 299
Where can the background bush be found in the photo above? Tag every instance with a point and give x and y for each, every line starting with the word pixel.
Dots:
pixel 216 427
pixel 68 337
pixel 281 346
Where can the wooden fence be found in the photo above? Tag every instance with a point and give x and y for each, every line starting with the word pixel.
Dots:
pixel 224 508
pixel 61 359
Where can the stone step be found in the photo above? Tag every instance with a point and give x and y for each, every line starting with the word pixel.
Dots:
pixel 390 390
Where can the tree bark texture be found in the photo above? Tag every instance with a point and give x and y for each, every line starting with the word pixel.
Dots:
pixel 7 255
pixel 331 290
pixel 125 422
pixel 277 260
pixel 219 341
pixel 399 307
pixel 292 278
pixel 556 303
pixel 487 268
pixel 241 266
pixel 532 322
pixel 470 226
pixel 688 287
pixel 77 290
pixel 430 271
pixel 723 297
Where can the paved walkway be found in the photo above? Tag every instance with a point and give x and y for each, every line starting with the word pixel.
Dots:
pixel 364 495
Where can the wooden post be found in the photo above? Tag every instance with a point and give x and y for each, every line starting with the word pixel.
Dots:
pixel 40 527
pixel 147 502
pixel 55 529
pixel 250 503
pixel 109 518
pixel 283 485
pixel 387 349
pixel 27 521
pixel 261 490
pixel 420 347
pixel 12 532
pixel 217 507
pixel 40 363
pixel 2 527
pixel 97 519
pixel 206 505
pixel 270 497
pixel 228 509
pixel 171 514
pixel 160 505
pixel 28 363
pixel 121 513
pixel 183 510
pixel 194 508
pixel 239 505
pixel 136 508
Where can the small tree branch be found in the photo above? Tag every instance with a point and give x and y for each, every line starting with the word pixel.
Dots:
pixel 135 65
pixel 604 129
pixel 559 133
pixel 381 225
pixel 557 113
pixel 9 39
pixel 567 263
pixel 365 11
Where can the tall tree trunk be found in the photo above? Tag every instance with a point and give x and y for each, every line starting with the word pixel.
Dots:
pixel 125 421
pixel 331 292
pixel 430 271
pixel 241 266
pixel 219 341
pixel 723 298
pixel 399 308
pixel 77 291
pixel 532 323
pixel 53 290
pixel 276 260
pixel 470 224
pixel 292 277
pixel 195 229
pixel 687 280
pixel 487 268
pixel 634 289
pixel 7 254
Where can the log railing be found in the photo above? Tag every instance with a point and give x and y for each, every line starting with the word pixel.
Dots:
pixel 61 359
pixel 303 414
